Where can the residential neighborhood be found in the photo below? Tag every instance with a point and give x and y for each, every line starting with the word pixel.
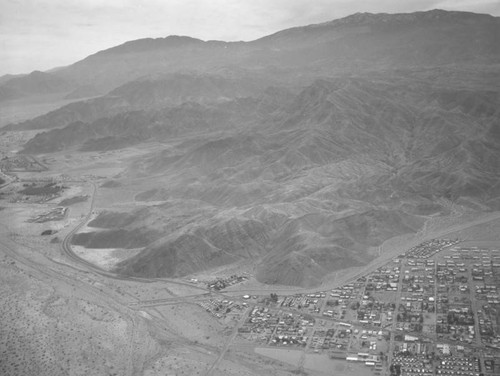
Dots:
pixel 434 310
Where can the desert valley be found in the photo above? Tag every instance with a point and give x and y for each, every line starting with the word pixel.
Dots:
pixel 321 201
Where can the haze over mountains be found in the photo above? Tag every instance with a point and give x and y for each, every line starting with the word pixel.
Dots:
pixel 361 41
pixel 300 152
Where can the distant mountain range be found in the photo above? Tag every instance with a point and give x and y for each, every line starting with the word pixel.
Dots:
pixel 299 152
pixel 362 41
pixel 34 84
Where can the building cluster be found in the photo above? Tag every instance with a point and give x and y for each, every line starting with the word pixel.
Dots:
pixel 276 327
pixel 417 364
pixel 454 365
pixel 425 313
pixel 429 248
pixel 465 318
pixel 221 308
pixel 309 302
pixel 55 214
pixel 222 283
pixel 385 278
pixel 368 359
pixel 21 163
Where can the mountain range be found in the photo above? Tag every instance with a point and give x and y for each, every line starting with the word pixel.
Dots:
pixel 299 153
pixel 362 41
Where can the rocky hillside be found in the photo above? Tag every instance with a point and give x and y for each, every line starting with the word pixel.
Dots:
pixel 152 92
pixel 328 177
pixel 300 152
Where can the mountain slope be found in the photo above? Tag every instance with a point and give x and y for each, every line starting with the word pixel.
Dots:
pixel 152 93
pixel 35 83
pixel 299 153
pixel 348 164
pixel 361 42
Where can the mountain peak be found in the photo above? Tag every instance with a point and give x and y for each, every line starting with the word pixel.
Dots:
pixel 367 22
pixel 366 18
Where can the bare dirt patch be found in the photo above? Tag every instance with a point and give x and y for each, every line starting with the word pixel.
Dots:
pixel 106 258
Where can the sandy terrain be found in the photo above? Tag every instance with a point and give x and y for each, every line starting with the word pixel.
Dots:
pixel 105 258
pixel 52 326
pixel 58 319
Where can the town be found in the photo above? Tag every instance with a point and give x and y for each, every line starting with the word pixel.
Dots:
pixel 434 310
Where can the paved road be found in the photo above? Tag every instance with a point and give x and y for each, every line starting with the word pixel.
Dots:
pixel 68 251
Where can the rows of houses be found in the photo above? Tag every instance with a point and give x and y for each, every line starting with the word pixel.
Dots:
pixel 220 308
pixel 424 298
pixel 429 248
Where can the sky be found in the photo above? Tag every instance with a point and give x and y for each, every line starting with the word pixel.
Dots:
pixel 44 34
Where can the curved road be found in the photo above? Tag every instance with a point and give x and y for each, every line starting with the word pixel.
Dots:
pixel 68 251
pixel 66 243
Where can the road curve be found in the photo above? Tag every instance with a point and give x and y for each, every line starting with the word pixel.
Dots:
pixel 68 252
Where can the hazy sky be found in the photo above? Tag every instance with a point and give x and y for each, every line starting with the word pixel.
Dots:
pixel 43 34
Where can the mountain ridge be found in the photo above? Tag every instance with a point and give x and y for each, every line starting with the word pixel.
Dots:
pixel 362 41
pixel 341 167
pixel 298 154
